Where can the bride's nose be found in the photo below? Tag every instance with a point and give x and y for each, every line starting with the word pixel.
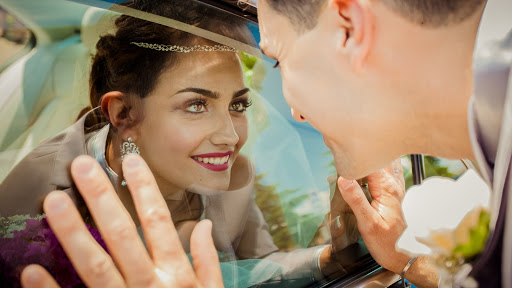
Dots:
pixel 224 133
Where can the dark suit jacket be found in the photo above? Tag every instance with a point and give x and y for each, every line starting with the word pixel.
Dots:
pixel 490 127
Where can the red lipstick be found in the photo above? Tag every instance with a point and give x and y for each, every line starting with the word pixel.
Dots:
pixel 214 154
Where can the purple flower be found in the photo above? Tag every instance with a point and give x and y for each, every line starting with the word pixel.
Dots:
pixel 37 244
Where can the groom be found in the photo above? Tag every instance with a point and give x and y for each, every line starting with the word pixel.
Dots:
pixel 379 79
pixel 397 78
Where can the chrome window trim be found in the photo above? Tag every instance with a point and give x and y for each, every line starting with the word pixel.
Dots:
pixel 372 275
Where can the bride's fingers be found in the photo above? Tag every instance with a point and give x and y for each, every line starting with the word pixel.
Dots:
pixel 35 276
pixel 204 255
pixel 113 221
pixel 91 262
pixel 159 231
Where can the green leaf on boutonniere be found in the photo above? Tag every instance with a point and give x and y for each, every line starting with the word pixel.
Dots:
pixel 477 238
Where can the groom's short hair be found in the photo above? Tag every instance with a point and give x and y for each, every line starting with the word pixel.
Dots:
pixel 429 13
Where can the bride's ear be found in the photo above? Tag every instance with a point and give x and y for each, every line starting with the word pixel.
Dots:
pixel 116 107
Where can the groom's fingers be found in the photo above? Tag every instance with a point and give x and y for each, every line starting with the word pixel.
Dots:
pixel 356 199
pixel 204 255
pixel 397 171
pixel 35 276
pixel 113 221
pixel 161 237
pixel 91 262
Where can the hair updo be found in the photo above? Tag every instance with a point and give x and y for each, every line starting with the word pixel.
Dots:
pixel 121 66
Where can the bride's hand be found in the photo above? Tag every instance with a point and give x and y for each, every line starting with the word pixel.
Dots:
pixel 166 265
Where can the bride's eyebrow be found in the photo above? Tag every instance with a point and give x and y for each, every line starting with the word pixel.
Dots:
pixel 204 92
pixel 241 93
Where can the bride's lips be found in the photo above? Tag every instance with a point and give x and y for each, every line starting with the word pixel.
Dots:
pixel 213 161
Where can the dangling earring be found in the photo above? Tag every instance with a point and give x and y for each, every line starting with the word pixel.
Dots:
pixel 128 147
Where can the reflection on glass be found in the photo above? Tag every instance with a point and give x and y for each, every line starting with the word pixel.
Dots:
pixel 169 79
pixel 443 167
pixel 13 37
pixel 435 166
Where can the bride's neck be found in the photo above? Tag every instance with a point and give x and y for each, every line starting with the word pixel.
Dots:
pixel 114 161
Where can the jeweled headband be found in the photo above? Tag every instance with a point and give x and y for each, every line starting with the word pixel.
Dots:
pixel 184 49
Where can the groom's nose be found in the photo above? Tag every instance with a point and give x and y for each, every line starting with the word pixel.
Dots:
pixel 297 116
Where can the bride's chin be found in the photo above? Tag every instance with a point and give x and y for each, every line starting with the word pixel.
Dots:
pixel 207 191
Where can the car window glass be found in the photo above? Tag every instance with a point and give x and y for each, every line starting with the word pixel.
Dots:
pixel 206 113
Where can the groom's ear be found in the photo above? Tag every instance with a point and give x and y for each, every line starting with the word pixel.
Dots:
pixel 355 22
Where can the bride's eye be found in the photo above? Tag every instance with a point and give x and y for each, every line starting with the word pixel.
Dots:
pixel 237 107
pixel 240 105
pixel 197 107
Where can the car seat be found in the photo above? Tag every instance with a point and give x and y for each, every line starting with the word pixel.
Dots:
pixel 46 90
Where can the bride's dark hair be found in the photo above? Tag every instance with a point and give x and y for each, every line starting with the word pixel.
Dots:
pixel 121 66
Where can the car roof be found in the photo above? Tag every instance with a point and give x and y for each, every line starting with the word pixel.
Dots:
pixel 64 17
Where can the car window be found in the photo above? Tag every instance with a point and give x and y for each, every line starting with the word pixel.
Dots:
pixel 206 113
pixel 14 38
pixel 435 167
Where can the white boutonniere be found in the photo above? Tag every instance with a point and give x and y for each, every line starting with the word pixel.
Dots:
pixel 448 221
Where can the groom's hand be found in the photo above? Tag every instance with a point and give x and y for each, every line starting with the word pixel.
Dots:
pixel 129 264
pixel 380 221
